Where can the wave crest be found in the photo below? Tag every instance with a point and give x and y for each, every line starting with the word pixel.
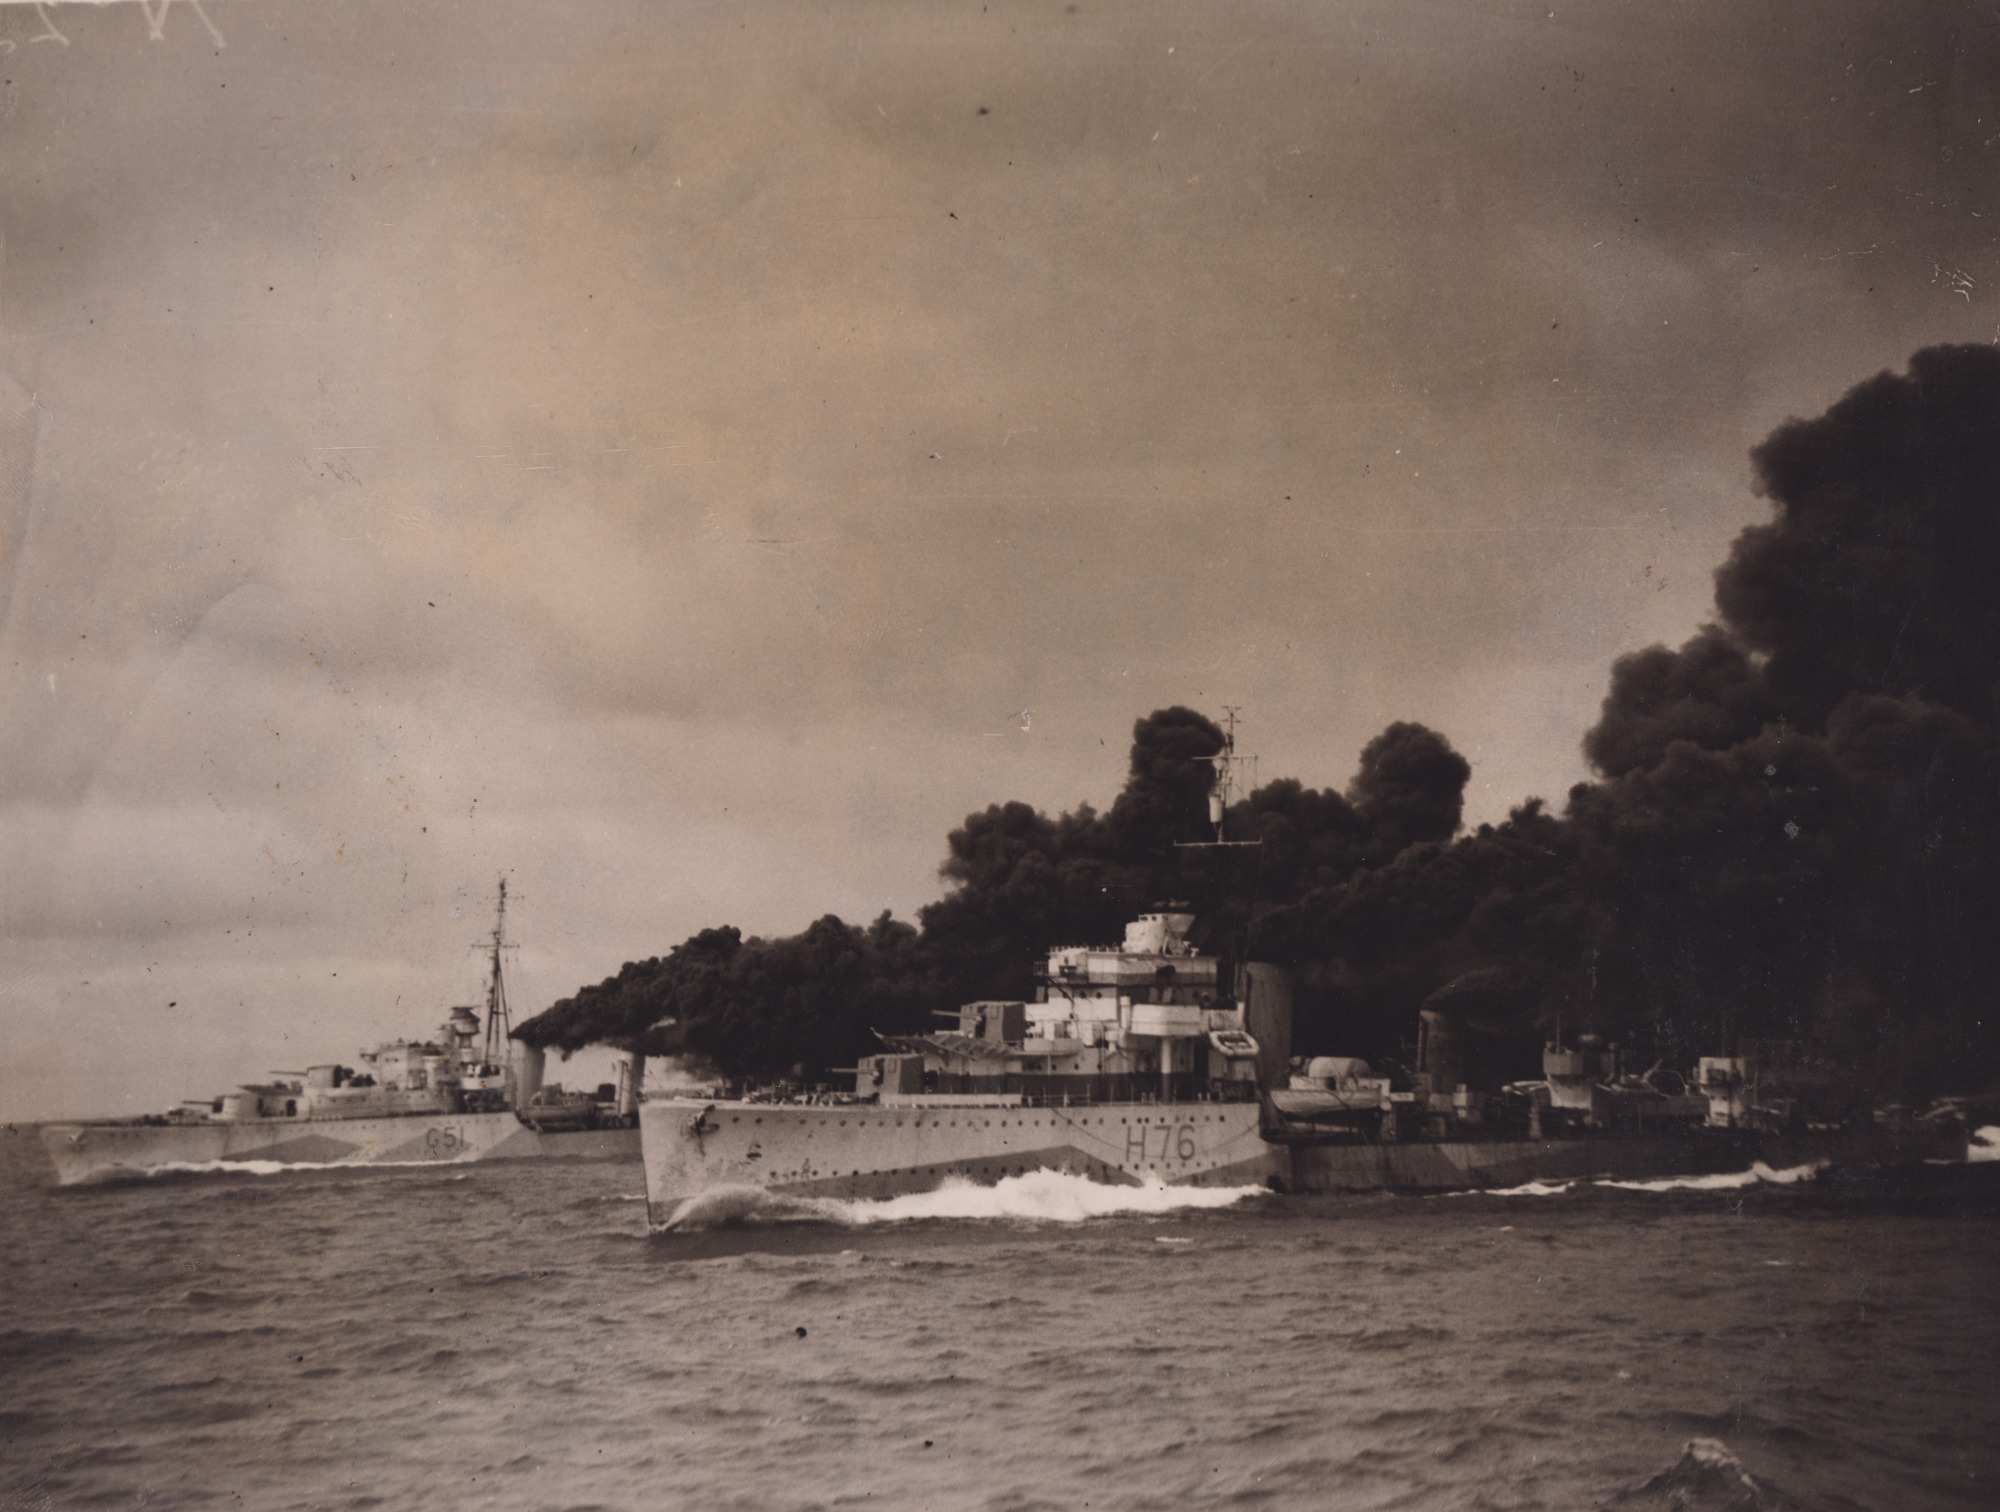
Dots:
pixel 1759 1174
pixel 1035 1196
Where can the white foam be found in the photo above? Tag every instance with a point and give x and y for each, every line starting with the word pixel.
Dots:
pixel 1038 1196
pixel 1724 1182
pixel 727 1204
pixel 271 1167
pixel 1983 1144
pixel 1046 1196
pixel 1526 1189
pixel 1727 1181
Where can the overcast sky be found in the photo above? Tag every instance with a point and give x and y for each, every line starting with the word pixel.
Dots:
pixel 685 457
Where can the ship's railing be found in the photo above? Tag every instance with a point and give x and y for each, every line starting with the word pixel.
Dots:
pixel 1214 1092
pixel 1030 1091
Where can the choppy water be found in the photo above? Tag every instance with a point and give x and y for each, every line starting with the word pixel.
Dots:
pixel 510 1336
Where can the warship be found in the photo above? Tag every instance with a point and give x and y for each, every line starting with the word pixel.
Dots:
pixel 468 1093
pixel 1148 1062
pixel 1133 1065
pixel 1128 1067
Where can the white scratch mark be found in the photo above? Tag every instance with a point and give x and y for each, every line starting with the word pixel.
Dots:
pixel 156 20
pixel 51 34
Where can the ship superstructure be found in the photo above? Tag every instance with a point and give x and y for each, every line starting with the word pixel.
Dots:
pixel 1145 1020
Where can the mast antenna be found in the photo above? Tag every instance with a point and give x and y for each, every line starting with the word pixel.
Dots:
pixel 499 1026
pixel 1228 765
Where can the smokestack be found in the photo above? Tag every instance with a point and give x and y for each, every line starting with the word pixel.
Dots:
pixel 1267 1014
pixel 529 1063
pixel 628 1092
pixel 1441 1049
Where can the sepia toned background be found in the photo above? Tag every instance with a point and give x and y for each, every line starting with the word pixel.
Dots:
pixel 683 458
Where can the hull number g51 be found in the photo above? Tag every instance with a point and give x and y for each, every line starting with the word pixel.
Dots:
pixel 444 1144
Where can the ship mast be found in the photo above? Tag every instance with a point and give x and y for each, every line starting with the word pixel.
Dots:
pixel 1227 764
pixel 498 1026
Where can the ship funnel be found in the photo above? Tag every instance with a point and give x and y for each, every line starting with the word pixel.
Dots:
pixel 1441 1049
pixel 529 1063
pixel 630 1076
pixel 1267 1014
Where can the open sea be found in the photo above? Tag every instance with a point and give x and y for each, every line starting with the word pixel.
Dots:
pixel 511 1336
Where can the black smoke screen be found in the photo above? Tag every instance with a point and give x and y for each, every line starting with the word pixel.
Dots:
pixel 1794 833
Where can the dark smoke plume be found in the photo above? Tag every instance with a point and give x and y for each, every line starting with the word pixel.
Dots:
pixel 1411 788
pixel 1877 576
pixel 1018 882
pixel 1795 831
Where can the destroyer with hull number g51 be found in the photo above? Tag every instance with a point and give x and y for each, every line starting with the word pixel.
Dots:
pixel 458 1097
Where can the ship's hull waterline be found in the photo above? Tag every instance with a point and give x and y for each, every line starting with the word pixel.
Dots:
pixel 861 1150
pixel 693 1147
pixel 96 1152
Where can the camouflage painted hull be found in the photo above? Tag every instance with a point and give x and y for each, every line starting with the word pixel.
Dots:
pixel 861 1150
pixel 98 1151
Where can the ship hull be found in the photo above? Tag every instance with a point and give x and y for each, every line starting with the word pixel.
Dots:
pixel 100 1151
pixel 1318 1165
pixel 1462 1165
pixel 813 1150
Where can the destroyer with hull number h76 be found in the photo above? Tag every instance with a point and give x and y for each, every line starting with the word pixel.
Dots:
pixel 1129 1067
pixel 1132 1065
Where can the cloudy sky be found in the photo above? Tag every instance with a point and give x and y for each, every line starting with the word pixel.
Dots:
pixel 685 457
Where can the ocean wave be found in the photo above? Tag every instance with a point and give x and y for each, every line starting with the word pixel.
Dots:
pixel 267 1168
pixel 1707 1475
pixel 1725 1181
pixel 1035 1196
pixel 1526 1189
